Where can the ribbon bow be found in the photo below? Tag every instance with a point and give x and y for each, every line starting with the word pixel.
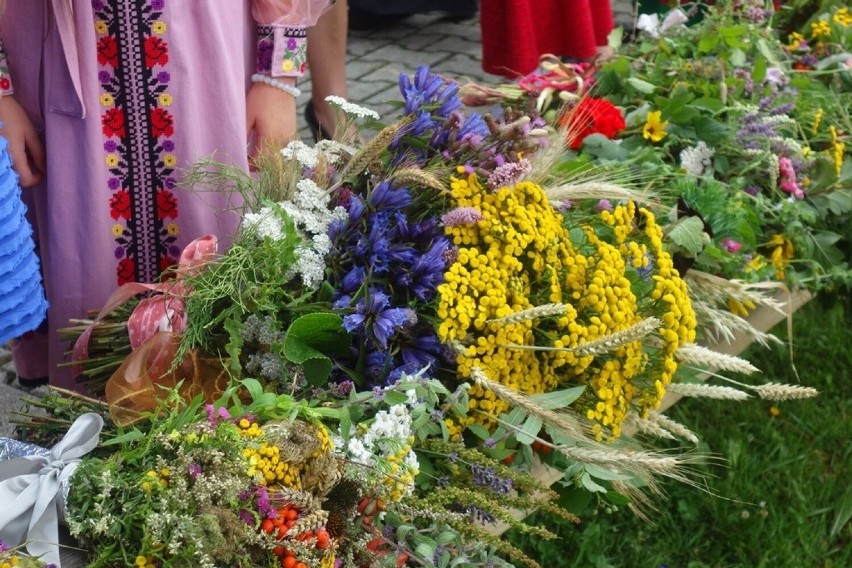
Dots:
pixel 162 312
pixel 31 490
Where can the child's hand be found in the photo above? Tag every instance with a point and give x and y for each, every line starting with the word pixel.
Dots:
pixel 25 145
pixel 271 113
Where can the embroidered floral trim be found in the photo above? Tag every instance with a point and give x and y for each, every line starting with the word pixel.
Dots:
pixel 281 51
pixel 138 129
pixel 5 79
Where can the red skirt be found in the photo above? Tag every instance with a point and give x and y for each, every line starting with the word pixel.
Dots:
pixel 515 33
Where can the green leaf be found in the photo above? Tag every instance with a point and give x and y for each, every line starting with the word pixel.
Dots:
pixel 759 71
pixel 589 485
pixel 643 87
pixel 131 436
pixel 712 104
pixel 310 338
pixel 737 57
pixel 617 499
pixel 479 431
pixel 557 399
pixel 710 130
pixel 529 431
pixel 615 37
pixel 844 513
pixel 688 234
pixel 708 43
pixel 235 342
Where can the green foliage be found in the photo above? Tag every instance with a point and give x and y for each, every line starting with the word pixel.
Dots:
pixel 780 499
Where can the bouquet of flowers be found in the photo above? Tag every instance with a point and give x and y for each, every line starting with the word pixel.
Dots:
pixel 402 334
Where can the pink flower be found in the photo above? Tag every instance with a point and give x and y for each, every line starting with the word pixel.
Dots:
pixel 462 216
pixel 731 245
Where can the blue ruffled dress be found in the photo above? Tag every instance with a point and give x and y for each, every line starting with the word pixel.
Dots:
pixel 22 303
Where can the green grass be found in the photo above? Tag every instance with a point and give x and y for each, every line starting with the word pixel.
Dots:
pixel 783 496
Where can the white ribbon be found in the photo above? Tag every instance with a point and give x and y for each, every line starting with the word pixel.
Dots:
pixel 31 498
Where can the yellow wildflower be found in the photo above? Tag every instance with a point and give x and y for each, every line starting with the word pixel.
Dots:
pixel 817 119
pixel 655 129
pixel 782 253
pixel 796 40
pixel 107 100
pixel 158 28
pixel 100 27
pixel 842 17
pixel 820 29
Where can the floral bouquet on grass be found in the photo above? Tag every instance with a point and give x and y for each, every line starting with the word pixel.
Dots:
pixel 744 138
pixel 401 335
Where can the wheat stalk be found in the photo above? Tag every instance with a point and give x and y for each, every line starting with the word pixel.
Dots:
pixel 707 391
pixel 564 422
pixel 314 520
pixel 373 149
pixel 542 311
pixel 693 353
pixel 779 392
pixel 592 190
pixel 417 177
pixel 614 340
pixel 673 426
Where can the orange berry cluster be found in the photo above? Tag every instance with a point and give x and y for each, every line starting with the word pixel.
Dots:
pixel 280 526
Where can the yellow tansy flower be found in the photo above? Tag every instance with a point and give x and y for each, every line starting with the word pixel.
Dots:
pixel 117 230
pixel 159 28
pixel 107 100
pixel 820 29
pixel 165 100
pixel 655 129
pixel 111 160
pixel 100 27
pixel 169 160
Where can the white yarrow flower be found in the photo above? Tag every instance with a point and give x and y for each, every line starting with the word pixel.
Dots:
pixel 697 159
pixel 352 109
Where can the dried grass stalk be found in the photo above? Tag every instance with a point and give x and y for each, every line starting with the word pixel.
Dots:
pixel 543 311
pixel 707 391
pixel 693 353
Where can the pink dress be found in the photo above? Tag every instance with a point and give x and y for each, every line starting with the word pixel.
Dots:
pixel 128 94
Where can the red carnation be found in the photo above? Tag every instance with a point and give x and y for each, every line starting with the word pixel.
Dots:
pixel 108 51
pixel 126 271
pixel 162 123
pixel 166 204
pixel 592 116
pixel 113 123
pixel 119 204
pixel 156 51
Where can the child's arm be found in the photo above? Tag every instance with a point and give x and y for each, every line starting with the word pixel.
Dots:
pixel 25 147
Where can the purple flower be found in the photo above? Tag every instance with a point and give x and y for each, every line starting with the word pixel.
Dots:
pixel 292 44
pixel 462 216
pixel 97 5
pixel 194 471
pixel 175 251
pixel 104 77
pixel 163 77
pixel 170 182
pixel 353 279
pixel 168 146
pixel 113 183
pixel 374 318
pixel 384 196
pixel 119 253
pixel 604 205
pixel 3 546
pixel 157 4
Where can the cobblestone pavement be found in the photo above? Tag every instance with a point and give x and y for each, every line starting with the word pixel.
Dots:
pixel 375 60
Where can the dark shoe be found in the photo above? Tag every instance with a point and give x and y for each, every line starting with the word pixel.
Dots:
pixel 32 383
pixel 317 131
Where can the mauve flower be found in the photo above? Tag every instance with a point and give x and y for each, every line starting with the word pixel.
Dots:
pixel 462 216
pixel 604 205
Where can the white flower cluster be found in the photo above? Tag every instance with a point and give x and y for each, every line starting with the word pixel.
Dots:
pixel 352 109
pixel 386 442
pixel 308 157
pixel 697 159
pixel 309 211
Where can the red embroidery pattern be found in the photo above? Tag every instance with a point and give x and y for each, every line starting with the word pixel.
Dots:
pixel 132 51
